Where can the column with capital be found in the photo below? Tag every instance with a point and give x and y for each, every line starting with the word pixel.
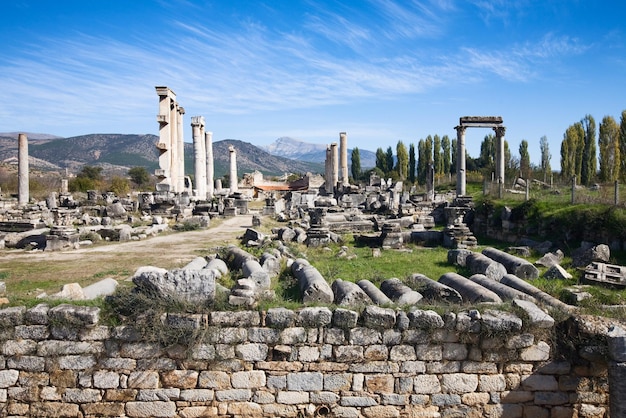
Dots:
pixel 335 160
pixel 180 154
pixel 460 160
pixel 328 172
pixel 500 130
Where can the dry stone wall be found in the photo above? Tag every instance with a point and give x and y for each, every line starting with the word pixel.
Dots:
pixel 380 362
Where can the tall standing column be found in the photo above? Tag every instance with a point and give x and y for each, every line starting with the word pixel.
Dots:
pixel 180 155
pixel 499 130
pixel 335 161
pixel 167 118
pixel 460 160
pixel 208 146
pixel 233 169
pixel 22 173
pixel 343 152
pixel 197 132
pixel 328 165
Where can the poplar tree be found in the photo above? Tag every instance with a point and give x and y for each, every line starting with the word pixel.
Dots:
pixel 422 164
pixel 381 162
pixel 437 160
pixel 453 156
pixel 589 164
pixel 402 156
pixel 355 167
pixel 412 163
pixel 572 151
pixel 622 146
pixel 545 158
pixel 487 154
pixel 524 159
pixel 608 143
pixel 389 160
pixel 445 148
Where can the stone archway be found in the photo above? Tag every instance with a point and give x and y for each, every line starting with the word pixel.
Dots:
pixel 494 122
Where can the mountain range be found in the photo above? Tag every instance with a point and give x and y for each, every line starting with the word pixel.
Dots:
pixel 116 153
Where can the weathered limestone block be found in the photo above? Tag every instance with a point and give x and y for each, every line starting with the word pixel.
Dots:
pixel 589 253
pixel 157 409
pixel 280 318
pixel 537 317
pixel 433 290
pixel 378 318
pixel 374 293
pixel 349 294
pixel 194 286
pixel 505 292
pixel 305 381
pixel 470 291
pixel 500 321
pixel 459 383
pixel 400 293
pixel 345 319
pixel 514 265
pixel 557 272
pixel 481 264
pixel 315 317
pixel 550 259
pixel 77 316
pixel 313 286
pixel 149 395
pixel 10 317
pixel 37 315
pixel 538 352
pixel 425 319
pixel 426 384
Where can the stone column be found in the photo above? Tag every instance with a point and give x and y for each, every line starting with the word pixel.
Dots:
pixel 335 160
pixel 500 153
pixel 233 170
pixel 22 170
pixel 208 147
pixel 65 186
pixel 167 119
pixel 460 160
pixel 197 132
pixel 328 173
pixel 180 155
pixel 343 152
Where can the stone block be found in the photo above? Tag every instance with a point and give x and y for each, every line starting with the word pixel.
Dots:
pixel 244 319
pixel 32 332
pixel 491 383
pixel 251 352
pixel 214 380
pixel 454 351
pixel 197 395
pixel 345 318
pixel 473 399
pixel 37 315
pixel 182 379
pixel 53 409
pixel 357 401
pixel 72 395
pixel 426 384
pixel 248 380
pixel 378 318
pixel 263 335
pixel 292 397
pixel 143 380
pixel 429 352
pixel 335 336
pixel 441 367
pixel 364 336
pixel 337 382
pixel 244 409
pixel 76 316
pixel 376 352
pixel 314 317
pixel 280 318
pixel 402 353
pixel 104 379
pixel 19 348
pixel 10 317
pixel 293 335
pixel 103 409
pixel 379 383
pixel 305 381
pixel 308 354
pixel 8 378
pixel 157 409
pixel 537 352
pixel 324 398
pixel 459 383
pixel 551 398
pixel 539 383
pixel 26 363
pixel 62 348
pixel 149 395
pixel 375 367
pixel 440 399
pixel 381 412
pixel 233 395
pixel 140 350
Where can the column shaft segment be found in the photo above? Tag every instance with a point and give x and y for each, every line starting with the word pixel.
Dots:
pixel 233 169
pixel 343 152
pixel 460 160
pixel 197 131
pixel 208 145
pixel 22 174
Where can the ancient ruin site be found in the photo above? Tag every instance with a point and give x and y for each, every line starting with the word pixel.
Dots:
pixel 321 294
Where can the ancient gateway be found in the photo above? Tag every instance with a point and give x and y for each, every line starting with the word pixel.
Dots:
pixel 494 122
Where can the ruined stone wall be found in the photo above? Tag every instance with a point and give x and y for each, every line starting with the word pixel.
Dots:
pixel 311 362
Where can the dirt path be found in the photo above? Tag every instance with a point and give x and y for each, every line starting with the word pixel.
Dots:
pixel 49 270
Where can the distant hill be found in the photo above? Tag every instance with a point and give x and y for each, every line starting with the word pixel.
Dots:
pixel 119 152
pixel 299 150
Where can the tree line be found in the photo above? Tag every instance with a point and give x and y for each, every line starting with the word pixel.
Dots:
pixel 579 154
pixel 439 154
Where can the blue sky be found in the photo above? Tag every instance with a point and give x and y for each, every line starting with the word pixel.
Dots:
pixel 381 70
